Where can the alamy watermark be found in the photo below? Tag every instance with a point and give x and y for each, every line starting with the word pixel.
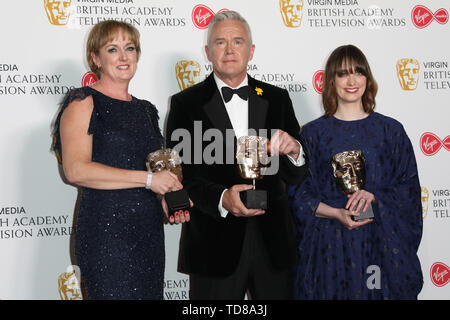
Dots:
pixel 208 147
pixel 374 280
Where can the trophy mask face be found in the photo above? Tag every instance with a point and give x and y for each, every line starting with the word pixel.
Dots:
pixel 292 12
pixel 68 286
pixel 408 73
pixel 165 159
pixel 251 156
pixel 349 170
pixel 57 11
pixel 188 73
pixel 425 196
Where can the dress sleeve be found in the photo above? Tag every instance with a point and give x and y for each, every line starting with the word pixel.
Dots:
pixel 75 94
pixel 398 199
pixel 398 215
pixel 152 113
pixel 304 197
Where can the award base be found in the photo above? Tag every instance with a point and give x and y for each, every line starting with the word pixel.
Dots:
pixel 368 214
pixel 254 199
pixel 177 200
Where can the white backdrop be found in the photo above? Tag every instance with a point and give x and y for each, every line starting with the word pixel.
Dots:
pixel 42 57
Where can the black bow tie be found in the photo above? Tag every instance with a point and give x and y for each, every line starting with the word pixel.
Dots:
pixel 227 93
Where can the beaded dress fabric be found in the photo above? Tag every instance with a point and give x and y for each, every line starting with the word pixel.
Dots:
pixel 119 240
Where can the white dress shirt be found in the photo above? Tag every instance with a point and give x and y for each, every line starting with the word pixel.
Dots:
pixel 237 110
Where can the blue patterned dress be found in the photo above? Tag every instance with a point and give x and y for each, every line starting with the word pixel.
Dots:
pixel 119 240
pixel 378 260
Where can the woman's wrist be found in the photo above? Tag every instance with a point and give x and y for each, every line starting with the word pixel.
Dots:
pixel 326 211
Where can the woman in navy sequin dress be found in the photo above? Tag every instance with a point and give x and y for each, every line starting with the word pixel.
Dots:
pixel 103 135
pixel 341 258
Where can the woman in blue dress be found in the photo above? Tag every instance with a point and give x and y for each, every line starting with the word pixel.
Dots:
pixel 340 258
pixel 103 135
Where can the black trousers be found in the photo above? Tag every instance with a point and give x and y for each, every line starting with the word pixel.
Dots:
pixel 254 275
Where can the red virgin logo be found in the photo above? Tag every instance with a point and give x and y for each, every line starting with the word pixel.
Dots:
pixel 440 274
pixel 88 79
pixel 317 81
pixel 202 16
pixel 430 143
pixel 422 16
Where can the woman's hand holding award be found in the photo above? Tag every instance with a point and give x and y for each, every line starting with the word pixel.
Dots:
pixel 168 159
pixel 350 173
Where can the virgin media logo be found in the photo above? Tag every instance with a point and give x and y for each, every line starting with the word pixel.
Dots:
pixel 317 81
pixel 430 143
pixel 88 79
pixel 440 274
pixel 202 16
pixel 422 16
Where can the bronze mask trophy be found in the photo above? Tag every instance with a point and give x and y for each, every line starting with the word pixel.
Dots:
pixel 252 159
pixel 168 159
pixel 350 173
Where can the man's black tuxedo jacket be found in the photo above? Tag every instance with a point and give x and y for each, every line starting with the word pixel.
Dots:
pixel 210 244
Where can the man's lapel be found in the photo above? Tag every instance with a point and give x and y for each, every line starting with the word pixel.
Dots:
pixel 215 108
pixel 217 113
pixel 257 107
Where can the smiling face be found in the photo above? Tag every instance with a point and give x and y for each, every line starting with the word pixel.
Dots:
pixel 350 85
pixel 117 59
pixel 347 79
pixel 230 49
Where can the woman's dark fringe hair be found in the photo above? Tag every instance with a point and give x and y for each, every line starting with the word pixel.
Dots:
pixel 349 59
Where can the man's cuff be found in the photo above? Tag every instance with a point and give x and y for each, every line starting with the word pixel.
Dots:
pixel 301 157
pixel 223 212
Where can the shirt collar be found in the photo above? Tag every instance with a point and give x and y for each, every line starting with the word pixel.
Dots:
pixel 221 84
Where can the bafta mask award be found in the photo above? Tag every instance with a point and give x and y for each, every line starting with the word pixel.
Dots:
pixel 252 159
pixel 350 173
pixel 168 159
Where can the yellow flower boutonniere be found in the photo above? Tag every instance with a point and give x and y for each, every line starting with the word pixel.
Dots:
pixel 259 91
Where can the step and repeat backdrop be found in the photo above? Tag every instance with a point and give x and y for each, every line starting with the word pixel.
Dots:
pixel 42 58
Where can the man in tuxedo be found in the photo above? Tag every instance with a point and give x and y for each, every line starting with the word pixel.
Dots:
pixel 227 248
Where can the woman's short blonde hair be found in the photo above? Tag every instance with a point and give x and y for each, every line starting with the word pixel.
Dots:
pixel 104 32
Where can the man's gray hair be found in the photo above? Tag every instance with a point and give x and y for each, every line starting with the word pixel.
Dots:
pixel 228 15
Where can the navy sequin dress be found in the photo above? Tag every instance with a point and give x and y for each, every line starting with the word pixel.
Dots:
pixel 378 260
pixel 119 240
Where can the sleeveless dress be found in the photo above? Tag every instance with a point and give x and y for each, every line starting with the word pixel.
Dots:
pixel 119 239
pixel 378 260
